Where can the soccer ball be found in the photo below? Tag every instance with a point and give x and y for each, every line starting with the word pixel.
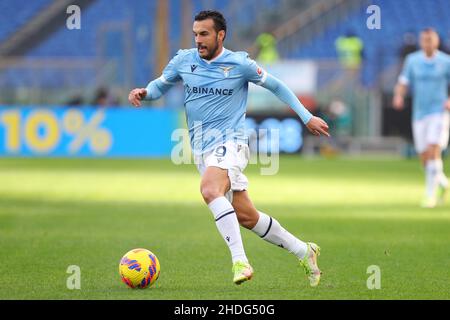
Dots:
pixel 139 268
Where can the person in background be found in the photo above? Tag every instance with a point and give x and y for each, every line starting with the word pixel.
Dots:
pixel 101 97
pixel 427 73
pixel 267 45
pixel 350 50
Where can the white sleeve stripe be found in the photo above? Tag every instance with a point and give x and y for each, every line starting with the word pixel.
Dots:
pixel 403 80
pixel 263 79
pixel 164 80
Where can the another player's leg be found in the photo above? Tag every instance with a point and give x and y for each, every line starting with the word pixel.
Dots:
pixel 435 137
pixel 436 181
pixel 270 230
pixel 442 180
pixel 443 183
pixel 429 199
pixel 424 134
pixel 215 183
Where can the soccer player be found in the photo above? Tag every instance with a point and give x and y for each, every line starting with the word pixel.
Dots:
pixel 427 72
pixel 216 85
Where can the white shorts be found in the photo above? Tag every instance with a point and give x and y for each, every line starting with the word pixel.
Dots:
pixel 232 156
pixel 433 129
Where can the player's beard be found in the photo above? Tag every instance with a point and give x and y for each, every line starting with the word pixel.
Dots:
pixel 213 51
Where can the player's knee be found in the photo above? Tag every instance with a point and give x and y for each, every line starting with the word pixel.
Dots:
pixel 435 153
pixel 210 192
pixel 432 153
pixel 425 156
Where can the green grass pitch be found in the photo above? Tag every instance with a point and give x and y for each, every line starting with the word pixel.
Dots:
pixel 89 212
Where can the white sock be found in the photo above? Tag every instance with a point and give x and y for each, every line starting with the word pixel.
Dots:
pixel 270 230
pixel 228 225
pixel 442 179
pixel 431 177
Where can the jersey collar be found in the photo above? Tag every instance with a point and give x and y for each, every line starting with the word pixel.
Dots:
pixel 430 59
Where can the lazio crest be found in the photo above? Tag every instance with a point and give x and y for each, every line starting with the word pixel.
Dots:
pixel 226 71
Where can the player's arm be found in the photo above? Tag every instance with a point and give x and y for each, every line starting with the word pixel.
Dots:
pixel 447 103
pixel 158 87
pixel 257 75
pixel 154 90
pixel 316 125
pixel 401 88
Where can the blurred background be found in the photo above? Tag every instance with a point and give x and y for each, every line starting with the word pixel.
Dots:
pixel 64 87
pixel 85 177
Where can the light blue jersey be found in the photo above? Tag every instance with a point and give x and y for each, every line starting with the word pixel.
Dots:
pixel 428 79
pixel 216 94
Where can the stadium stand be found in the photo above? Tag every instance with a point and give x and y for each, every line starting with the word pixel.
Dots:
pixel 112 30
pixel 115 34
pixel 9 8
pixel 381 46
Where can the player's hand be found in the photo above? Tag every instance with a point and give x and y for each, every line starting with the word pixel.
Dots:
pixel 318 127
pixel 398 102
pixel 136 95
pixel 447 104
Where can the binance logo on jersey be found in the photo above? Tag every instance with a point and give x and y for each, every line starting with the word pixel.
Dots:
pixel 209 91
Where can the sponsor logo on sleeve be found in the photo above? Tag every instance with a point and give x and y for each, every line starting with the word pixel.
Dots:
pixel 259 71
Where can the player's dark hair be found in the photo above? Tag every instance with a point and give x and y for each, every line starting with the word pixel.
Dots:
pixel 219 20
pixel 428 29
